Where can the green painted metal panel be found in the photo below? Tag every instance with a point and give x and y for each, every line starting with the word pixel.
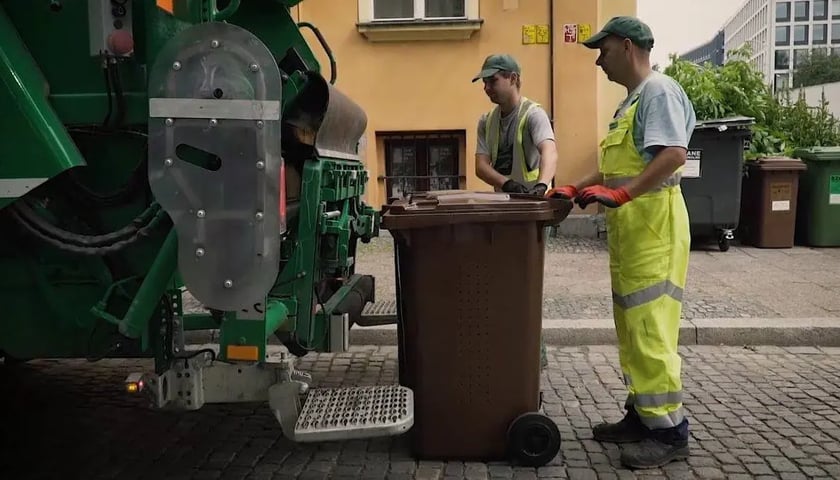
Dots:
pixel 30 130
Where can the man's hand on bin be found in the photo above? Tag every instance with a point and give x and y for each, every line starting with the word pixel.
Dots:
pixel 512 186
pixel 538 189
pixel 610 197
pixel 566 192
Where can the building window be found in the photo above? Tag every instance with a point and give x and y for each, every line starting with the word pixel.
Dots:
pixel 782 35
pixel 783 11
pixel 422 162
pixel 800 11
pixel 820 36
pixel 820 9
pixel 835 33
pixel 800 35
pixel 800 55
pixel 782 60
pixel 418 9
pixel 418 20
pixel 835 8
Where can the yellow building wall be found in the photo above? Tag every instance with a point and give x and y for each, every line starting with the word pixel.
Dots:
pixel 419 86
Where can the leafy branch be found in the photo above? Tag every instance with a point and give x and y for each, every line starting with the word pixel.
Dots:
pixel 737 88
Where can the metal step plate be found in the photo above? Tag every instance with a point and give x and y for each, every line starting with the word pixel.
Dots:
pixel 379 313
pixel 354 413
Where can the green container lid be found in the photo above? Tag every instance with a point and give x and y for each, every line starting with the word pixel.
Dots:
pixel 818 153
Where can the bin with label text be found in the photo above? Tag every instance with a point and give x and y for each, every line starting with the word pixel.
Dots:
pixel 769 199
pixel 469 273
pixel 712 177
pixel 818 215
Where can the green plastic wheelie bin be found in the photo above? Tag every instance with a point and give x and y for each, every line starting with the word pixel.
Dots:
pixel 818 213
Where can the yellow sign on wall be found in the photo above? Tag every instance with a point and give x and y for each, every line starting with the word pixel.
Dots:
pixel 529 34
pixel 543 34
pixel 584 32
pixel 532 34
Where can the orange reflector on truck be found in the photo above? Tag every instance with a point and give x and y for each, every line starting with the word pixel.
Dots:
pixel 166 5
pixel 243 352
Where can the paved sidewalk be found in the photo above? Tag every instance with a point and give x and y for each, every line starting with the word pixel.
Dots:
pixel 763 412
pixel 745 296
pixel 743 282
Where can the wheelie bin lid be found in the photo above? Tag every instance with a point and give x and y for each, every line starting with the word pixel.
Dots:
pixel 722 124
pixel 777 164
pixel 451 207
pixel 818 153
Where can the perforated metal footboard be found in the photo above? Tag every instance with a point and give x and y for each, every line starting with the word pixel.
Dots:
pixel 355 412
pixel 379 313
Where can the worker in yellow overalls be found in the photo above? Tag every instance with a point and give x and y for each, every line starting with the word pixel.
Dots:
pixel 638 181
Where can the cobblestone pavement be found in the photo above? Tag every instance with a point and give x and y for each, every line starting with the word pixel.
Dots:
pixel 762 412
pixel 742 282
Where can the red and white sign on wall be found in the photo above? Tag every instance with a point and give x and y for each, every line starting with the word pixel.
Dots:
pixel 570 33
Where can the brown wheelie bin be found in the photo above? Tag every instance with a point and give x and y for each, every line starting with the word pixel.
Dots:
pixel 469 272
pixel 768 210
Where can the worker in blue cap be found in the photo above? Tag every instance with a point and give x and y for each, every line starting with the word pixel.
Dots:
pixel 638 181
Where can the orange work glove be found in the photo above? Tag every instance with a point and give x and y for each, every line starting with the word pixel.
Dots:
pixel 566 192
pixel 610 197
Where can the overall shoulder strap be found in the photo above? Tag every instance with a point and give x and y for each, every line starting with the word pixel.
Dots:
pixel 492 126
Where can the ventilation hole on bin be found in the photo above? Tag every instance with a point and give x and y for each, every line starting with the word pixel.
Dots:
pixel 218 93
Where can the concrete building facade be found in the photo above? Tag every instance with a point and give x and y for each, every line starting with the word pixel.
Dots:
pixel 782 33
pixel 409 65
pixel 711 51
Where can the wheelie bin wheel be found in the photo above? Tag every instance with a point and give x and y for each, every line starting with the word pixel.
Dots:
pixel 726 236
pixel 533 439
pixel 723 243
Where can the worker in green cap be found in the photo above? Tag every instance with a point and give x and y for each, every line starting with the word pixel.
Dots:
pixel 515 151
pixel 638 181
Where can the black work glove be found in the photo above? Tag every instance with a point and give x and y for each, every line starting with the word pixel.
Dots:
pixel 512 186
pixel 538 189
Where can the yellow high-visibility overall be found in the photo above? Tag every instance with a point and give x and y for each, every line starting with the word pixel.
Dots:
pixel 648 240
pixel 526 164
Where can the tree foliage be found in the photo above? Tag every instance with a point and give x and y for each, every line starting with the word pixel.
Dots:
pixel 737 88
pixel 818 68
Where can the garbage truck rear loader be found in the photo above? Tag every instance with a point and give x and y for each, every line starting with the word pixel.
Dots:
pixel 153 148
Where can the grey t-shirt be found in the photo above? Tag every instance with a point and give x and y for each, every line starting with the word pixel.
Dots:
pixel 665 116
pixel 538 128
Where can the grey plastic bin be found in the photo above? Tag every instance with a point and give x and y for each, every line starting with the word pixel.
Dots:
pixel 712 177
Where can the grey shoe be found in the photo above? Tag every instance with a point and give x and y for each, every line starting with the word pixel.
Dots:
pixel 660 448
pixel 651 453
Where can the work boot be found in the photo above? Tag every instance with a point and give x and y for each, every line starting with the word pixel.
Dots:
pixel 661 447
pixel 630 429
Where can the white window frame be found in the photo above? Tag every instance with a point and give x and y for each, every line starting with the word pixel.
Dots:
pixel 420 13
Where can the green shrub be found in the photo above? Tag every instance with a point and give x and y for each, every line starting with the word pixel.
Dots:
pixel 738 89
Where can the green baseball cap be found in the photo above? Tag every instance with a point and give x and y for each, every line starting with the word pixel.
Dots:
pixel 497 63
pixel 625 27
